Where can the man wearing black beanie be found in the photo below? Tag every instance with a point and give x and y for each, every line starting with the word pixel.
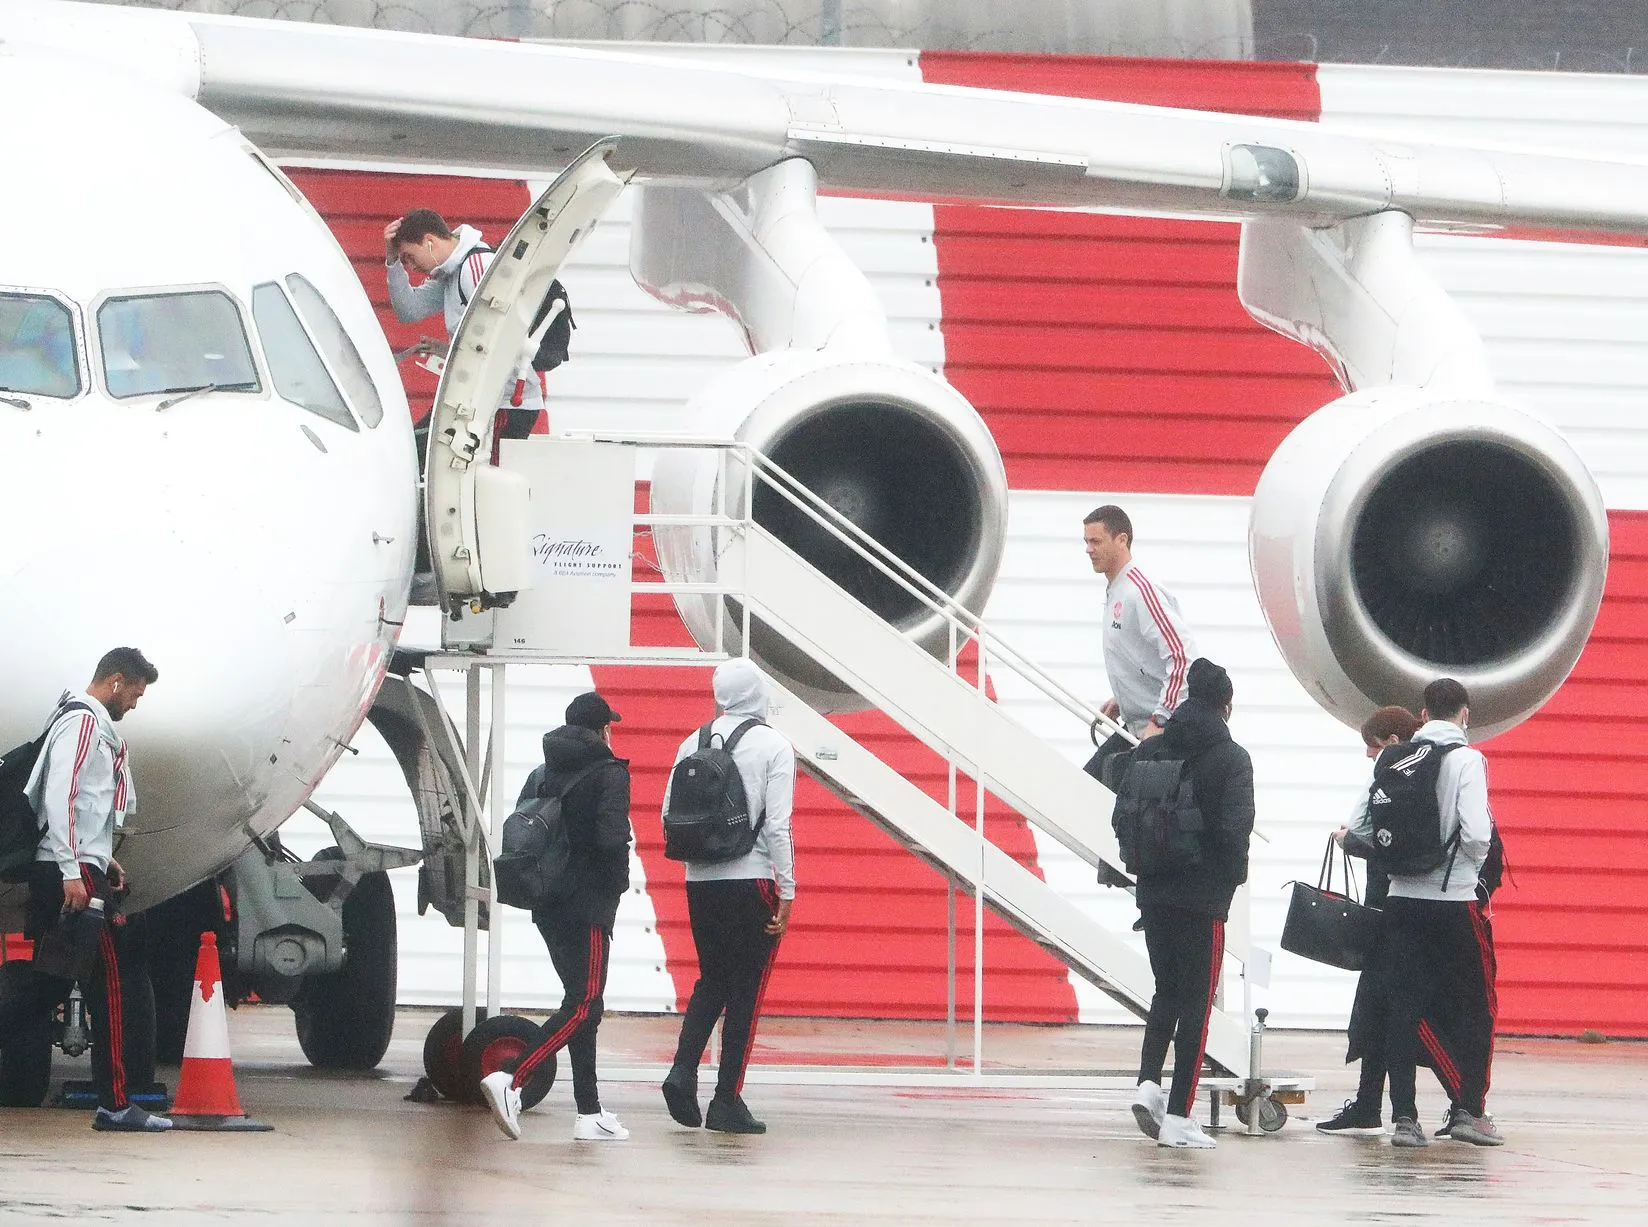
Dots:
pixel 1185 904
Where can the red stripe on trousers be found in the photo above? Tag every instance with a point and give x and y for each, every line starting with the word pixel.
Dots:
pixel 558 1041
pixel 114 1005
pixel 769 896
pixel 1445 1067
pixel 1207 1018
pixel 1490 976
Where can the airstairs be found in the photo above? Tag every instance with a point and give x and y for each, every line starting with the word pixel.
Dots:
pixel 758 582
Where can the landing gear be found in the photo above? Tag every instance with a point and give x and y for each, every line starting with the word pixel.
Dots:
pixel 345 1018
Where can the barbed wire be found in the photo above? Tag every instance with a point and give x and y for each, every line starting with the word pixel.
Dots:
pixel 1171 29
pixel 1201 29
pixel 1429 53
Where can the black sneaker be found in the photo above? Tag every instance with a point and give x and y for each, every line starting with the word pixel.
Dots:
pixel 731 1116
pixel 130 1119
pixel 1354 1118
pixel 1447 1125
pixel 681 1098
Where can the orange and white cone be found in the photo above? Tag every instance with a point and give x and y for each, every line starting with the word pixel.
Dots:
pixel 206 1097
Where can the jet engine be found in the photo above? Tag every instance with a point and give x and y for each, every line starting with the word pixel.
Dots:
pixel 1399 535
pixel 890 446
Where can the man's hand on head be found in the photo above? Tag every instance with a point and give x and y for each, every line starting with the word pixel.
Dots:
pixel 389 240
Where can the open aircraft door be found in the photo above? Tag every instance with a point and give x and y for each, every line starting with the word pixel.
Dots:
pixel 476 512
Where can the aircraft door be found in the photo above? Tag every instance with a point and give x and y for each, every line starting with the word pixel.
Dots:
pixel 476 512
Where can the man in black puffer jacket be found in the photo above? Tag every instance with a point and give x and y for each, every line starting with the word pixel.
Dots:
pixel 578 759
pixel 1185 908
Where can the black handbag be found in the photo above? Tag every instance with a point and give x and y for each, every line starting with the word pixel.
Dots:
pixel 1327 927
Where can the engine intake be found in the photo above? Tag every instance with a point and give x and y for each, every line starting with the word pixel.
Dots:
pixel 1399 535
pixel 890 446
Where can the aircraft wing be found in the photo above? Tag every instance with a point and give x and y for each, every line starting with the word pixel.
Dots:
pixel 304 91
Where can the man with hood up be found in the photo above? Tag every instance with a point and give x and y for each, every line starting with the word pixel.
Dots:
pixel 594 787
pixel 1185 908
pixel 739 908
pixel 451 263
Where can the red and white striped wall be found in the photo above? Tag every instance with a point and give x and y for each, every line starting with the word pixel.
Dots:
pixel 1113 363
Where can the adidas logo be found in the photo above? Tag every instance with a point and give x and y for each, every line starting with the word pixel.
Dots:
pixel 1379 797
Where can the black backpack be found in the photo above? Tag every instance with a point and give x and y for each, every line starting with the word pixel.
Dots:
pixel 554 344
pixel 1402 806
pixel 1156 818
pixel 534 866
pixel 20 828
pixel 707 820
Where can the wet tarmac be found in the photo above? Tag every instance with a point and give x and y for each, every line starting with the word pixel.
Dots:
pixel 352 1150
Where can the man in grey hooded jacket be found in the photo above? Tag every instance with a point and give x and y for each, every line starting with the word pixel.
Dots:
pixel 739 909
pixel 451 263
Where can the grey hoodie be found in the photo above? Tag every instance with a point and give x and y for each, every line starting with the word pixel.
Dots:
pixel 447 292
pixel 1462 797
pixel 766 761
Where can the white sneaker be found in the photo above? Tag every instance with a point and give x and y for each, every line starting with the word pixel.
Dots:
pixel 598 1127
pixel 505 1101
pixel 1149 1107
pixel 1183 1133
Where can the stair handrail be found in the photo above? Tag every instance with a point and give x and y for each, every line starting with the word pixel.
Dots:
pixel 793 490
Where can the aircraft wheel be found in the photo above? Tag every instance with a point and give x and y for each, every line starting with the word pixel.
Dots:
pixel 442 1053
pixel 26 1059
pixel 345 1018
pixel 500 1043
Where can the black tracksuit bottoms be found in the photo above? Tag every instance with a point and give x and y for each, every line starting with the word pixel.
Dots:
pixel 735 959
pixel 579 951
pixel 1187 951
pixel 27 1008
pixel 1439 959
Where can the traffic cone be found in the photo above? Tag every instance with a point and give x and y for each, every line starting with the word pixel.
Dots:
pixel 206 1097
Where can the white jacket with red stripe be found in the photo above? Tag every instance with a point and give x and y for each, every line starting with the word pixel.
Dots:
pixel 447 292
pixel 1147 648
pixel 81 788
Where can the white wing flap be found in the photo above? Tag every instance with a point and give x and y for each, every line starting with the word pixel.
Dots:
pixel 304 91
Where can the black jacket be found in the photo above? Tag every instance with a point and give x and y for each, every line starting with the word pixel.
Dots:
pixel 1222 775
pixel 596 810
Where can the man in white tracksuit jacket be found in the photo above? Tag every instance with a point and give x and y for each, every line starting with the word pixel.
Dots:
pixel 451 262
pixel 81 789
pixel 1436 949
pixel 1147 645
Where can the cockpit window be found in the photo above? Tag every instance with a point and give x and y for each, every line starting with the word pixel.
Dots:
pixel 300 375
pixel 340 351
pixel 174 342
pixel 37 353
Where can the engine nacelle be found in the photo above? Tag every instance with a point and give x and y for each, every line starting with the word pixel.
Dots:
pixel 1399 535
pixel 890 446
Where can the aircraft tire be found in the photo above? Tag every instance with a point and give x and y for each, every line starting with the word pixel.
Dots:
pixel 26 1059
pixel 345 1018
pixel 442 1052
pixel 500 1043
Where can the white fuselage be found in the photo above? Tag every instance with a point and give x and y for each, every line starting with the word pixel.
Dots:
pixel 257 551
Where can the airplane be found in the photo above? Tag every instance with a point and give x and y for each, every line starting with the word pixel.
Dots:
pixel 211 455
